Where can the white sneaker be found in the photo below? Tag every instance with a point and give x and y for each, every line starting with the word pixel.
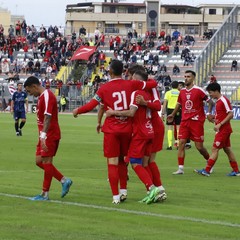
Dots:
pixel 116 199
pixel 162 196
pixel 178 172
pixel 123 194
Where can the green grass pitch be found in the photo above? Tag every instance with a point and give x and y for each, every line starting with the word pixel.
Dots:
pixel 197 207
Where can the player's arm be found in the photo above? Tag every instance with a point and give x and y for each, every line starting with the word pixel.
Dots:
pixel 155 105
pixel 85 108
pixel 164 109
pixel 126 113
pixel 12 106
pixel 171 116
pixel 100 116
pixel 225 120
pixel 138 85
pixel 210 117
pixel 26 102
pixel 43 133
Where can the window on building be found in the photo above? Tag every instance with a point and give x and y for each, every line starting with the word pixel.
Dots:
pixel 112 9
pixel 212 11
pixel 106 9
pixel 122 9
pixel 132 10
pixel 152 23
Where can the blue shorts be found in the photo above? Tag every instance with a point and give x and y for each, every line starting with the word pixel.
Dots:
pixel 19 115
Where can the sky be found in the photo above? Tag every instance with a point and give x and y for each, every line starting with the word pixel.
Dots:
pixel 52 12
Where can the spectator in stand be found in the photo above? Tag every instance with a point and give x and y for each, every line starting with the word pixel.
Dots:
pixel 24 28
pixel 175 35
pixel 176 69
pixel 176 49
pixel 102 39
pixel 168 39
pixel 1 30
pixel 18 28
pixel 11 31
pixel 213 79
pixel 96 35
pixel 162 35
pixel 82 31
pixel 163 69
pixel 234 65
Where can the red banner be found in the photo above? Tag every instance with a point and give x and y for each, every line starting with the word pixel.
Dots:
pixel 83 53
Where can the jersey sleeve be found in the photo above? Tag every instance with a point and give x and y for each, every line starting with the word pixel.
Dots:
pixel 155 104
pixel 88 107
pixel 49 103
pixel 133 99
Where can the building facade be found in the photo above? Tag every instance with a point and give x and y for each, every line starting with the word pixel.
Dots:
pixel 117 17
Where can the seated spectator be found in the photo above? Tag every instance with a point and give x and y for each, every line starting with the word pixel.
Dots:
pixel 207 34
pixel 184 53
pixel 234 65
pixel 175 35
pixel 176 70
pixel 162 35
pixel 168 39
pixel 213 79
pixel 176 49
pixel 163 69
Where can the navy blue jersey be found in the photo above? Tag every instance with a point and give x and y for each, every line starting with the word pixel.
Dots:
pixel 19 99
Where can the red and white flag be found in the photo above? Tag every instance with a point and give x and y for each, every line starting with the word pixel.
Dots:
pixel 11 89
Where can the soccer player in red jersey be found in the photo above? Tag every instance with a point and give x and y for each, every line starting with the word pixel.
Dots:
pixel 142 137
pixel 116 95
pixel 223 129
pixel 49 137
pixel 191 101
pixel 158 126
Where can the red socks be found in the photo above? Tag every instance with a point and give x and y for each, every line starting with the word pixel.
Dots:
pixel 143 176
pixel 210 164
pixel 155 174
pixel 122 171
pixel 48 175
pixel 113 178
pixel 234 166
pixel 180 161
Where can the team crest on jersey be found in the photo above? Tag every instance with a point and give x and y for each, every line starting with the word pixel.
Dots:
pixel 96 97
pixel 217 143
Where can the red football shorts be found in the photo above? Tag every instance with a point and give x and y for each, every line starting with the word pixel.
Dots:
pixel 52 148
pixel 140 148
pixel 191 129
pixel 116 144
pixel 221 140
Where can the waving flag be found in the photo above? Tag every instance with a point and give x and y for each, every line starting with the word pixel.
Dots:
pixel 83 53
pixel 11 89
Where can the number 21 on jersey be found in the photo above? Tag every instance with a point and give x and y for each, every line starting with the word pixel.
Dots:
pixel 121 102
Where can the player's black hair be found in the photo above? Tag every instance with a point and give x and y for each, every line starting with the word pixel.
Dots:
pixel 174 84
pixel 136 67
pixel 117 67
pixel 142 74
pixel 192 72
pixel 31 80
pixel 214 87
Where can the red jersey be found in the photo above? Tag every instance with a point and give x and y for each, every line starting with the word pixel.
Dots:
pixel 142 124
pixel 116 94
pixel 47 105
pixel 222 108
pixel 157 122
pixel 191 101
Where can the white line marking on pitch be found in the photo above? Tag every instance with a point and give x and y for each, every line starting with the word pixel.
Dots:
pixel 159 215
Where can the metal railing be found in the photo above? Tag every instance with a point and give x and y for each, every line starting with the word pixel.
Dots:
pixel 216 47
